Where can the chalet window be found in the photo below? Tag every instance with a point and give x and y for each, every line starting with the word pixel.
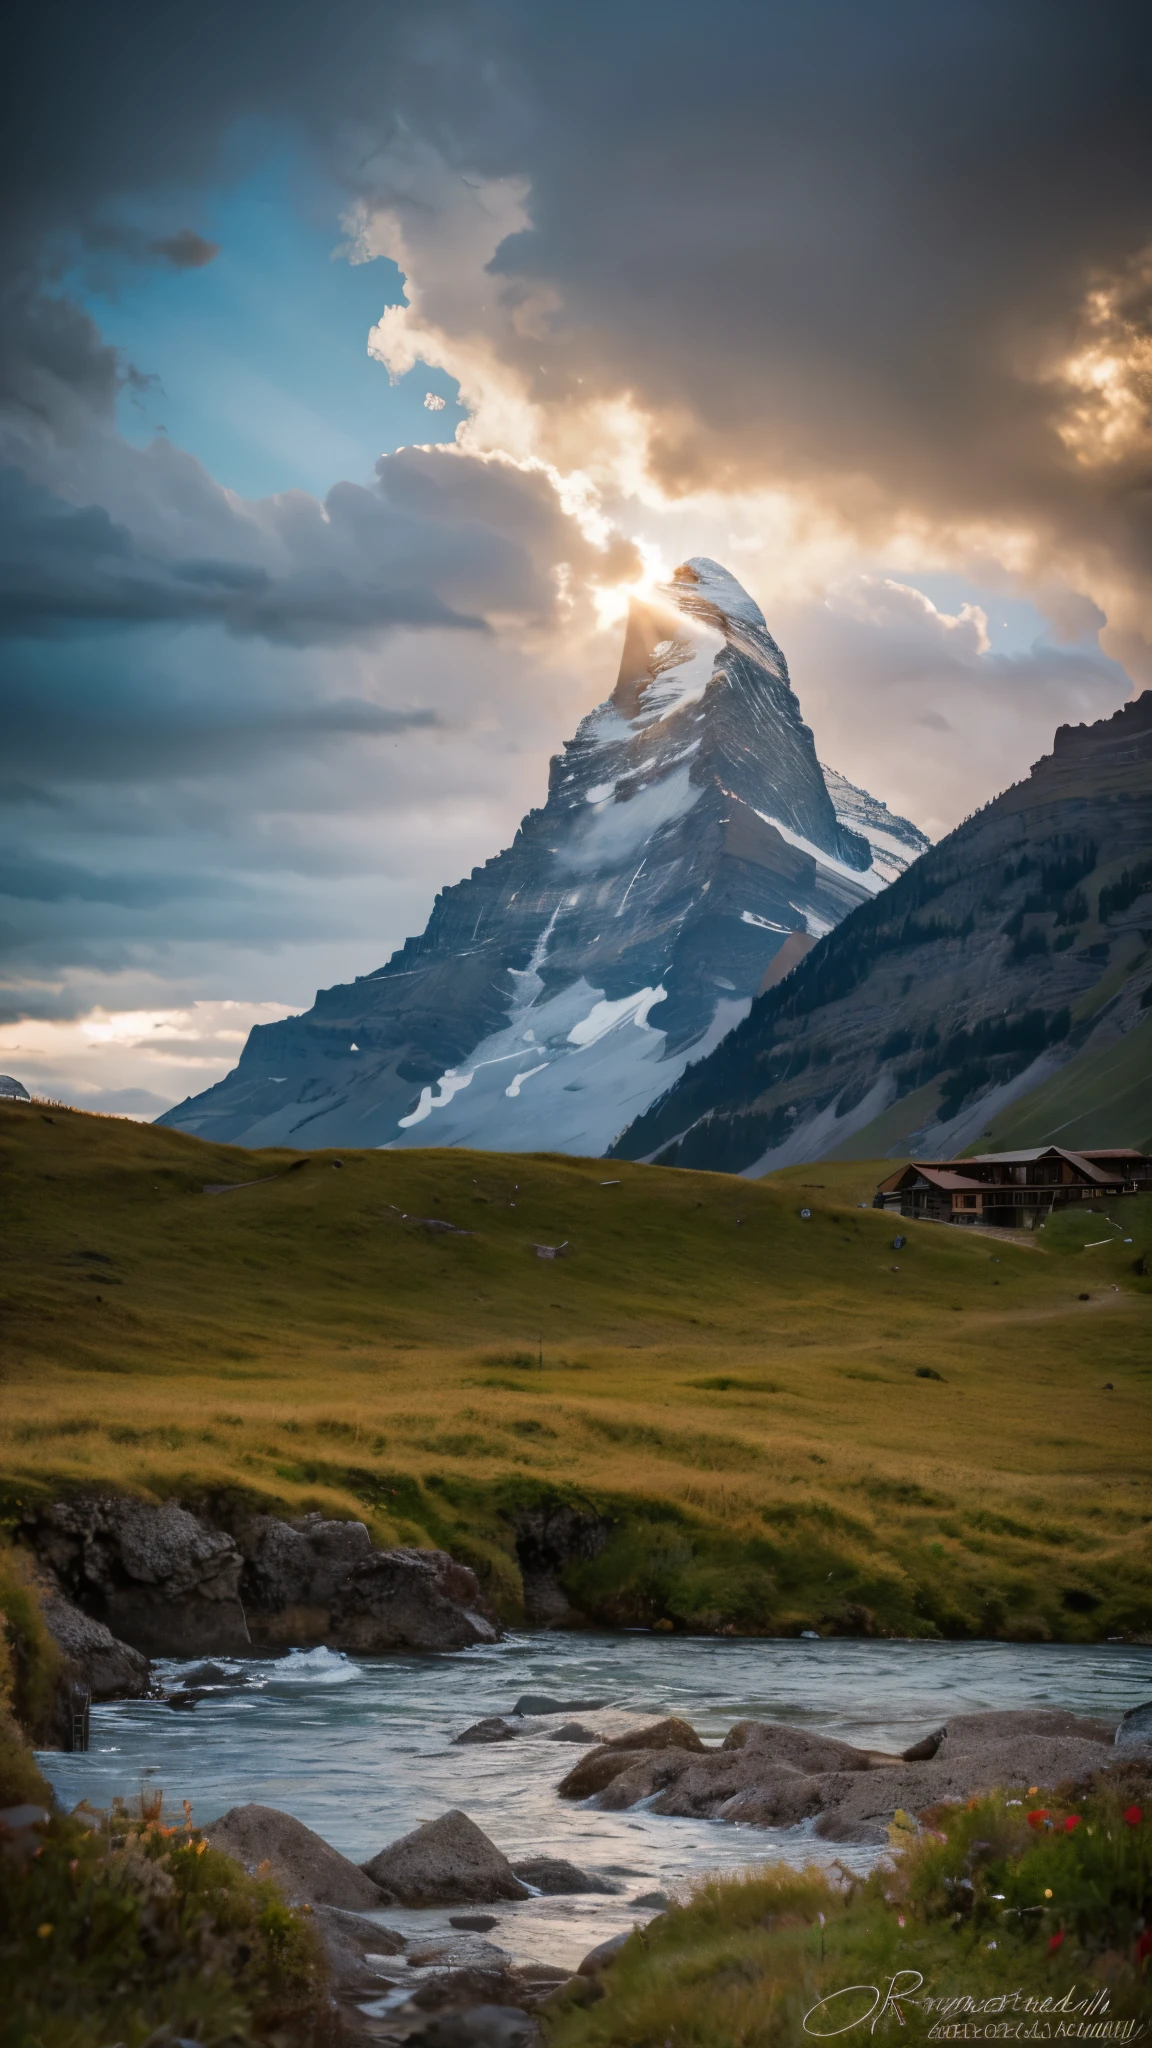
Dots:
pixel 969 1201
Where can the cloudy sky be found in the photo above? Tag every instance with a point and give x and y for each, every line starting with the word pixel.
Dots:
pixel 355 363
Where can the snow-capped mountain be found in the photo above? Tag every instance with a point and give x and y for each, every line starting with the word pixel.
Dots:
pixel 689 853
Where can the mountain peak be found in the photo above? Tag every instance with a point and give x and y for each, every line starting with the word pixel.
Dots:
pixel 688 843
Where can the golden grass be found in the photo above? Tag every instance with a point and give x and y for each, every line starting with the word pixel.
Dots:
pixel 713 1365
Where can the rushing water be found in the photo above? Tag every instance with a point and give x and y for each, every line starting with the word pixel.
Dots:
pixel 361 1751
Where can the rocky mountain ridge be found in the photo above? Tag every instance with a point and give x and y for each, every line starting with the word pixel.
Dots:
pixel 1000 989
pixel 691 849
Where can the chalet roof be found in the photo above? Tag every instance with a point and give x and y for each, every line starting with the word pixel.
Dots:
pixel 1100 1168
pixel 936 1176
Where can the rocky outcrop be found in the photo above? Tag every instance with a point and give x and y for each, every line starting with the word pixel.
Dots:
pixel 548 1540
pixel 305 1867
pixel 131 1577
pixel 410 1600
pixel 159 1578
pixel 446 1862
pixel 294 1572
pixel 110 1669
pixel 769 1774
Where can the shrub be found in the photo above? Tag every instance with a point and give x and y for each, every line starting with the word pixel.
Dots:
pixel 121 1929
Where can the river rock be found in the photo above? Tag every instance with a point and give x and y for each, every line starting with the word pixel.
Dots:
pixel 802 1748
pixel 159 1578
pixel 769 1774
pixel 597 1770
pixel 967 1732
pixel 1135 1729
pixel 573 1731
pixel 556 1877
pixel 410 1600
pixel 446 1862
pixel 307 1869
pixel 111 1669
pixel 361 1955
pixel 493 1728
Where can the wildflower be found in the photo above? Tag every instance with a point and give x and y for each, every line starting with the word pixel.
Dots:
pixel 1048 1891
pixel 1056 1942
pixel 1073 1821
pixel 1039 1817
pixel 899 1919
pixel 1144 1946
pixel 74 1866
pixel 1133 1815
pixel 44 1929
pixel 201 1845
pixel 991 1944
pixel 1032 1791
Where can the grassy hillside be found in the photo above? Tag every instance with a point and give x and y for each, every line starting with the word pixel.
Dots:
pixel 738 1386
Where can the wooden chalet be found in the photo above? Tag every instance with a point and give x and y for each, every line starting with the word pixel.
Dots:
pixel 1012 1188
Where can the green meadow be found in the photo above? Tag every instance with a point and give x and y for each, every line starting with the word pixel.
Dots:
pixel 787 1423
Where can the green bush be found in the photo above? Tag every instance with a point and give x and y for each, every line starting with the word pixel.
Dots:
pixel 119 1929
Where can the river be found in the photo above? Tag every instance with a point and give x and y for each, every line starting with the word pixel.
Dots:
pixel 361 1750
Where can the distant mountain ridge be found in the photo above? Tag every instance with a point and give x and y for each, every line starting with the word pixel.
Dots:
pixel 689 837
pixel 1001 989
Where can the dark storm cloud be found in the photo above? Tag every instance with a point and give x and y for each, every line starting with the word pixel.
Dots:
pixel 438 535
pixel 821 242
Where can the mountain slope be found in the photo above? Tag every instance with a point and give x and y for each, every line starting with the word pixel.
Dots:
pixel 1001 987
pixel 689 838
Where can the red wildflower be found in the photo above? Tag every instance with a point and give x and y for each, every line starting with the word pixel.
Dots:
pixel 1038 1818
pixel 1056 1942
pixel 1133 1815
pixel 1144 1945
pixel 1073 1821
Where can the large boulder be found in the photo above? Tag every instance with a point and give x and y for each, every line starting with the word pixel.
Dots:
pixel 446 1862
pixel 161 1579
pixel 410 1600
pixel 293 1572
pixel 111 1670
pixel 307 1869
